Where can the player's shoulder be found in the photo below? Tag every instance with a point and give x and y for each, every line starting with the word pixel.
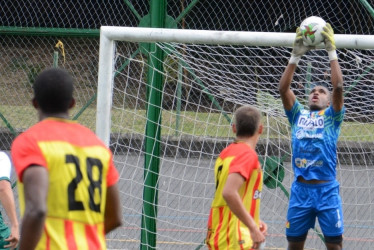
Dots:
pixel 87 131
pixel 88 136
pixel 83 128
pixel 297 107
pixel 237 149
pixel 330 111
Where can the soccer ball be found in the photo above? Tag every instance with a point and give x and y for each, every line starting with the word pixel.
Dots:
pixel 311 29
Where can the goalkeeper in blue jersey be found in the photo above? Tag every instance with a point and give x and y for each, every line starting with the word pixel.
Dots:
pixel 315 132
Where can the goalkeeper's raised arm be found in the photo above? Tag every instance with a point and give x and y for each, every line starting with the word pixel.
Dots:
pixel 336 73
pixel 299 49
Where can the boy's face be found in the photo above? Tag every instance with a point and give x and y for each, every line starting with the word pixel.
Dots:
pixel 319 98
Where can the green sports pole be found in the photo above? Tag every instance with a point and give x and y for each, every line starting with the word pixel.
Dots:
pixel 368 7
pixel 153 131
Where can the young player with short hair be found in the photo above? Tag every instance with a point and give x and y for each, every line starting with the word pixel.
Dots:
pixel 234 220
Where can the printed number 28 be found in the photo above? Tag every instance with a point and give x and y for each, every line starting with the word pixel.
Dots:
pixel 74 204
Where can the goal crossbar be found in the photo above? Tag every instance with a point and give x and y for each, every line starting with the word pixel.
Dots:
pixel 249 38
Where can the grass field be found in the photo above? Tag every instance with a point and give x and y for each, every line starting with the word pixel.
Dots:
pixel 190 123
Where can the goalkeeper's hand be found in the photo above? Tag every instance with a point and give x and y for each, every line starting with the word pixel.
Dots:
pixel 328 34
pixel 299 49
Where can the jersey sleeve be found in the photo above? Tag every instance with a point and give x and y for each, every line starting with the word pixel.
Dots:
pixel 5 166
pixel 337 116
pixel 244 164
pixel 25 152
pixel 293 114
pixel 113 175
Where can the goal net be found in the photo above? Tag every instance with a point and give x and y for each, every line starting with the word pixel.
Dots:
pixel 200 78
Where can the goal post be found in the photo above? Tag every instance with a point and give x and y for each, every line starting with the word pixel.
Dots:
pixel 105 86
pixel 205 76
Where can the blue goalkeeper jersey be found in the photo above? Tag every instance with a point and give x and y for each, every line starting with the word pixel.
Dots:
pixel 314 141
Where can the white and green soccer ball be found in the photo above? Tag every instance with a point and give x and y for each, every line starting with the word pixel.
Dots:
pixel 311 29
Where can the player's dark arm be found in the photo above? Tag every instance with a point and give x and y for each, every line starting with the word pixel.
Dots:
pixel 35 181
pixel 7 201
pixel 287 95
pixel 113 214
pixel 337 84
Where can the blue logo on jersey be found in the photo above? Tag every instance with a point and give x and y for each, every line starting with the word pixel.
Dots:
pixel 311 123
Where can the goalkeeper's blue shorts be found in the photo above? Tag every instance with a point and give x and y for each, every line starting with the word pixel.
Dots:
pixel 311 201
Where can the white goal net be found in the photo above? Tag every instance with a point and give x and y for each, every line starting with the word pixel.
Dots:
pixel 205 76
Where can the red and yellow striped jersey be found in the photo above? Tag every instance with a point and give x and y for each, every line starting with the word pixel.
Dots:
pixel 80 169
pixel 225 230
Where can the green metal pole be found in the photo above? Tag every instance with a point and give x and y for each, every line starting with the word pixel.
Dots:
pixel 153 131
pixel 133 9
pixel 186 10
pixel 61 32
pixel 368 7
pixel 2 117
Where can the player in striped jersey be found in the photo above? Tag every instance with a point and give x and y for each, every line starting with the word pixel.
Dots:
pixel 234 220
pixel 67 179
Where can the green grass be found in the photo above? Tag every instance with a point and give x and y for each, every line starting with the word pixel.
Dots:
pixel 191 123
